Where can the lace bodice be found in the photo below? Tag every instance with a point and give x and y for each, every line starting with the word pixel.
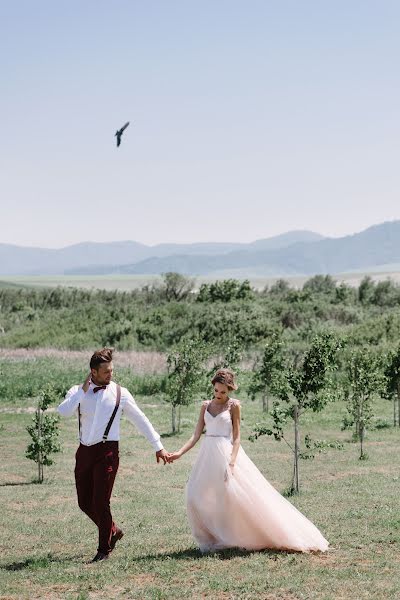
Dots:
pixel 221 424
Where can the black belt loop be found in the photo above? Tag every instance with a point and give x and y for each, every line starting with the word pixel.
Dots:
pixel 110 422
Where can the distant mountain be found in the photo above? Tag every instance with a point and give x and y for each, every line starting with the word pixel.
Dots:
pixel 292 253
pixel 373 248
pixel 102 258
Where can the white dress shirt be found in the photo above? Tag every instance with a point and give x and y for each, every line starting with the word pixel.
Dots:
pixel 96 410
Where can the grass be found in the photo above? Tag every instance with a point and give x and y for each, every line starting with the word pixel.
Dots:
pixel 46 541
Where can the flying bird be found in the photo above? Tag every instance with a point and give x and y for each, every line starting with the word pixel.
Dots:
pixel 120 132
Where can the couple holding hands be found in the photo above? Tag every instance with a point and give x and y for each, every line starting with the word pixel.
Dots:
pixel 229 502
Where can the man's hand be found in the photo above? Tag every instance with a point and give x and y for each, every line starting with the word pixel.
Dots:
pixel 86 385
pixel 163 455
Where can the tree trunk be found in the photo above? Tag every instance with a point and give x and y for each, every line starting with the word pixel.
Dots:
pixel 398 404
pixel 179 418
pixel 264 402
pixel 358 421
pixel 394 411
pixel 173 418
pixel 361 442
pixel 40 458
pixel 296 479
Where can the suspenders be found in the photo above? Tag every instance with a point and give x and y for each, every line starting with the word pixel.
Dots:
pixel 110 422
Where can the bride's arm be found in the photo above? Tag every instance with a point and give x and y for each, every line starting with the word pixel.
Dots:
pixel 235 411
pixel 195 437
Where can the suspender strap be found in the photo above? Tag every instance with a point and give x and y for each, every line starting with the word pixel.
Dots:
pixel 79 421
pixel 110 422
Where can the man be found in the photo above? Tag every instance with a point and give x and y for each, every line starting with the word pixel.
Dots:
pixel 99 403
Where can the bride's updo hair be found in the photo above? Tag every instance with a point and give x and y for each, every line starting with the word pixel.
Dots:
pixel 226 377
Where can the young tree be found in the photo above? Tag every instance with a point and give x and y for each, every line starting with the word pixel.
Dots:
pixel 185 375
pixel 302 385
pixel 44 432
pixel 268 372
pixel 392 382
pixel 176 286
pixel 365 379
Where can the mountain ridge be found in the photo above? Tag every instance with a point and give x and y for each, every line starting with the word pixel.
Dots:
pixel 289 254
pixel 101 257
pixel 376 246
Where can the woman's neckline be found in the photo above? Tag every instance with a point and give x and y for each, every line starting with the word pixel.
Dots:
pixel 223 404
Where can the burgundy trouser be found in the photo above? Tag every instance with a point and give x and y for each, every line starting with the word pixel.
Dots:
pixel 95 471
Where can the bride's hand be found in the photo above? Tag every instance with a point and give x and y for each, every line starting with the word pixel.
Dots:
pixel 174 456
pixel 228 471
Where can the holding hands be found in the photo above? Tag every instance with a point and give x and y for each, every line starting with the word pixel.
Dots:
pixel 174 456
pixel 164 456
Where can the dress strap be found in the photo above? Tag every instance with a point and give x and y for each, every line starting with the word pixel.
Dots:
pixel 232 402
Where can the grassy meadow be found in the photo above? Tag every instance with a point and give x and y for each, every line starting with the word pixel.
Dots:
pixel 46 541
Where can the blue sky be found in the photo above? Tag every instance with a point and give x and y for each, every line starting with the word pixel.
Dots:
pixel 248 119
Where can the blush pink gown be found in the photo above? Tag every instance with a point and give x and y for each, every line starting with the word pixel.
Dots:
pixel 241 510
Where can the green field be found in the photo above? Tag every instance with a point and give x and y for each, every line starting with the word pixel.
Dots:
pixel 46 541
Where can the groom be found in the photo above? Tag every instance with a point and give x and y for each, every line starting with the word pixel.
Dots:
pixel 99 403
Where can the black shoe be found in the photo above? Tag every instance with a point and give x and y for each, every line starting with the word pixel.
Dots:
pixel 115 537
pixel 100 556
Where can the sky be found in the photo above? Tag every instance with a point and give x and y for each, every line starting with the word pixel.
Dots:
pixel 247 119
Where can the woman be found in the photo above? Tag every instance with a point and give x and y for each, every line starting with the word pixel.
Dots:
pixel 229 502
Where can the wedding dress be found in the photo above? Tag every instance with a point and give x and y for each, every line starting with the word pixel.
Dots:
pixel 242 509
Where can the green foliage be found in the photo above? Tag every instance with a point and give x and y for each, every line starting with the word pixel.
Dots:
pixel 176 287
pixel 225 291
pixel 321 284
pixel 185 373
pixel 365 380
pixel 44 432
pixel 318 446
pixel 157 317
pixel 301 384
pixel 391 389
pixel 268 375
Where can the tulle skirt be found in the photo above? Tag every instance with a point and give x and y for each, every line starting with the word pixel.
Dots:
pixel 242 510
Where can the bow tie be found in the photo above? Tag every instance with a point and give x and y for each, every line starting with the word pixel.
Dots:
pixel 99 387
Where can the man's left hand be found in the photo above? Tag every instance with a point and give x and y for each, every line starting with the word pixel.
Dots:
pixel 163 455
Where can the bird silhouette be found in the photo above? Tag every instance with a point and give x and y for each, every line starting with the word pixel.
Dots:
pixel 119 133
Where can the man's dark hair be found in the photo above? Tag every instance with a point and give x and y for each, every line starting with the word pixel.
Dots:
pixel 101 356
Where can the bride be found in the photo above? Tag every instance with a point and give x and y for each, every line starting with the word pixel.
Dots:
pixel 229 502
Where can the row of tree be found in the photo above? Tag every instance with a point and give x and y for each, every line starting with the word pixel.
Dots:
pixel 296 380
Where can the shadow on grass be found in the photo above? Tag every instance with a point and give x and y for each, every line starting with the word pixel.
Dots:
pixel 194 553
pixel 34 562
pixel 12 483
pixel 169 434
